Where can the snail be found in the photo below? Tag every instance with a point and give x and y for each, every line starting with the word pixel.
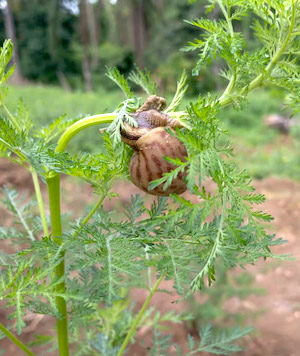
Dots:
pixel 151 143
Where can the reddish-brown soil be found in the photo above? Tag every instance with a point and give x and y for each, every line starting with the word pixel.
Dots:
pixel 277 327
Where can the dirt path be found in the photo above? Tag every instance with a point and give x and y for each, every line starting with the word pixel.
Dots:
pixel 277 329
pixel 278 324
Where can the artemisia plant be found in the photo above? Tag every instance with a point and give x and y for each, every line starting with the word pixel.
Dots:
pixel 176 238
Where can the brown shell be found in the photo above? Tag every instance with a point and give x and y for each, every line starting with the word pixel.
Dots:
pixel 148 164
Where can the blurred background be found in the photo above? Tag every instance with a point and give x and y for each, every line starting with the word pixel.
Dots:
pixel 61 51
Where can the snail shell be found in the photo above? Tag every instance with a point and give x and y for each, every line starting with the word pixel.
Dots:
pixel 147 163
pixel 152 143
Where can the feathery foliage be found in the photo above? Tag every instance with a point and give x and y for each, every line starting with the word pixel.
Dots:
pixel 143 80
pixel 181 238
pixel 218 343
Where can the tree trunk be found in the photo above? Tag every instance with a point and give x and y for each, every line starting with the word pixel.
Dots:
pixel 93 34
pixel 124 32
pixel 139 30
pixel 53 20
pixel 53 24
pixel 84 35
pixel 11 33
pixel 63 80
pixel 110 13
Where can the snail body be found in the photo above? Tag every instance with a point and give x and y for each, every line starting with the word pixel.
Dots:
pixel 152 143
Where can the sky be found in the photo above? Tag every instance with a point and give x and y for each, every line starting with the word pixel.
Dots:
pixel 3 4
pixel 72 5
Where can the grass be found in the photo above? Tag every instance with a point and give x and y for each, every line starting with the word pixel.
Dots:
pixel 261 150
pixel 47 103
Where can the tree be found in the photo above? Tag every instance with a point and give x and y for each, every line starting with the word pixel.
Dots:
pixel 11 33
pixel 140 29
pixel 85 36
pixel 53 39
pixel 93 34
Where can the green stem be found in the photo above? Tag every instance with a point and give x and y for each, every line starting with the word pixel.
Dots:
pixel 231 83
pixel 90 214
pixel 258 80
pixel 15 340
pixel 281 49
pixel 53 184
pixel 34 178
pixel 22 219
pixel 227 17
pixel 82 124
pixel 149 272
pixel 139 316
pixel 11 117
pixel 224 100
pixel 86 219
pixel 229 88
pixel 39 198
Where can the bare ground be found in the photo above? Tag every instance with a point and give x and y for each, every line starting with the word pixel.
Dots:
pixel 277 328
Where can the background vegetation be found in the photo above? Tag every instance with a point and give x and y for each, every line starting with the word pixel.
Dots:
pixel 263 151
pixel 62 48
pixel 69 43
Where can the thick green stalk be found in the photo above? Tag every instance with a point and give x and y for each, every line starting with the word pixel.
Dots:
pixel 228 90
pixel 138 318
pixel 53 184
pixel 40 201
pixel 80 125
pixel 15 340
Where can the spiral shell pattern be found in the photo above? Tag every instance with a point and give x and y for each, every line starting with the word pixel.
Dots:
pixel 148 163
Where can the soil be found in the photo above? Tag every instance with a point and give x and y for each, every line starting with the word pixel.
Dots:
pixel 276 328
